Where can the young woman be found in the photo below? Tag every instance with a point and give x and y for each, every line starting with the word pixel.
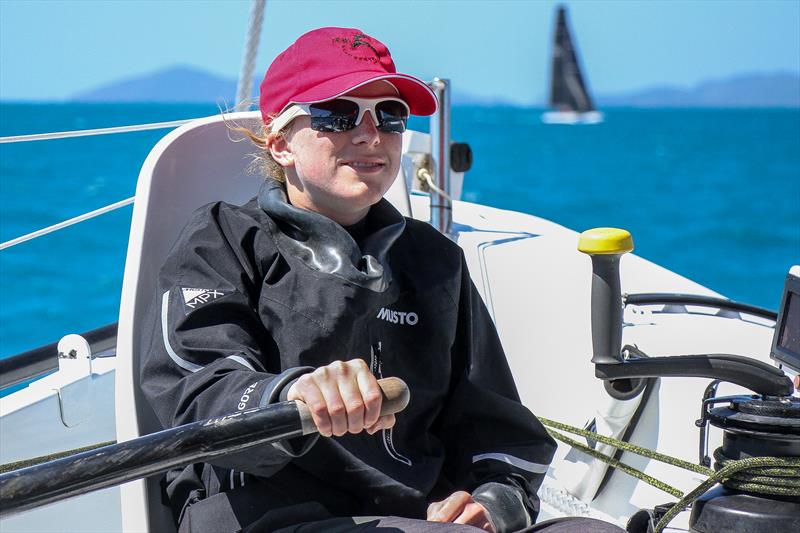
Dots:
pixel 317 288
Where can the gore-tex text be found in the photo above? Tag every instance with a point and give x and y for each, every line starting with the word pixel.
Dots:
pixel 246 396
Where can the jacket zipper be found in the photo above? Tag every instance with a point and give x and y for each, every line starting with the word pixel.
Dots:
pixel 376 366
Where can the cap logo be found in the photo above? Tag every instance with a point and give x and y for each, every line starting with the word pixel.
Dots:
pixel 358 47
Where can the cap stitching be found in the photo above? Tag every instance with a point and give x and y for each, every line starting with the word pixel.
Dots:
pixel 344 42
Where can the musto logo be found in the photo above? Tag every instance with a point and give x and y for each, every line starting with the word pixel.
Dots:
pixel 398 317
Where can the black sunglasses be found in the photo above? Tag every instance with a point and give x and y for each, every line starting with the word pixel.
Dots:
pixel 346 112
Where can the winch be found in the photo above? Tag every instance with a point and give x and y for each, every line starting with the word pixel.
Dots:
pixel 754 500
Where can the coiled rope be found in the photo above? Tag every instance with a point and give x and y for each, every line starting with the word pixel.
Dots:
pixel 772 478
pixel 764 475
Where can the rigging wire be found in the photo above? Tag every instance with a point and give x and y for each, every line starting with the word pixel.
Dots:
pixel 67 223
pixel 98 131
pixel 82 133
pixel 244 87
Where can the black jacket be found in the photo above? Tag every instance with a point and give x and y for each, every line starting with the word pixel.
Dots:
pixel 252 297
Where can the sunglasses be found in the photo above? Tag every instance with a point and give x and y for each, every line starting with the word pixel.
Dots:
pixel 346 112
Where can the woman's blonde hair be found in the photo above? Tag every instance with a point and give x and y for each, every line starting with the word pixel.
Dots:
pixel 262 162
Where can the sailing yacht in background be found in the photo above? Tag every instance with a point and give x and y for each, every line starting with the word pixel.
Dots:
pixel 569 99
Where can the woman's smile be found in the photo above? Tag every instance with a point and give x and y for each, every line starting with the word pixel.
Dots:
pixel 365 166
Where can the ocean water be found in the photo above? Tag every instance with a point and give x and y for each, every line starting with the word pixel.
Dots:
pixel 711 194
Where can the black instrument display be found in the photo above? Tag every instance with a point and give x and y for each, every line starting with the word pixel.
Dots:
pixel 786 342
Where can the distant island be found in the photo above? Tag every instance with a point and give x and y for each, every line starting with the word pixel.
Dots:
pixel 192 85
pixel 751 90
pixel 171 85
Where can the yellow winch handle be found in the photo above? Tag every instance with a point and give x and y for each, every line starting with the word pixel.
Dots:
pixel 605 241
pixel 606 246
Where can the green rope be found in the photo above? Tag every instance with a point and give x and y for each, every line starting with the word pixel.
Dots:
pixel 617 464
pixel 765 475
pixel 628 447
pixel 779 479
pixel 16 465
pixel 784 463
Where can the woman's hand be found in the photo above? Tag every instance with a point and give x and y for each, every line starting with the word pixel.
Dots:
pixel 460 508
pixel 343 397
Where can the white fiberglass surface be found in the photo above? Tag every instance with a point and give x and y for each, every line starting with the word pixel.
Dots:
pixel 538 289
pixel 33 424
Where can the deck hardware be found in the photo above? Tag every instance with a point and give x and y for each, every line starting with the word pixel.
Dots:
pixel 75 400
pixel 441 205
pixel 697 300
pixel 702 423
pixel 44 359
pixel 763 499
pixel 606 246
pixel 460 157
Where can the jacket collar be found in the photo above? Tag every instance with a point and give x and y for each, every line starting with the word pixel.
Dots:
pixel 325 246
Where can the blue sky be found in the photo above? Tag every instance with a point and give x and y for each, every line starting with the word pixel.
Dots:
pixel 53 49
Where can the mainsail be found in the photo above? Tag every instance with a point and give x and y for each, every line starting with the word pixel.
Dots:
pixel 567 90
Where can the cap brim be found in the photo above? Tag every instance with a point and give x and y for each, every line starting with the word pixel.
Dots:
pixel 420 98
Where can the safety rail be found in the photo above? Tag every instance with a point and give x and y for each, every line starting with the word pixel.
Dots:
pixel 699 301
pixel 35 363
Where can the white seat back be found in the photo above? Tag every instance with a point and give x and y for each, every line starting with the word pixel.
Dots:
pixel 191 166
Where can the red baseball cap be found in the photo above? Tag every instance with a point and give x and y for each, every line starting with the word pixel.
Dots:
pixel 328 62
